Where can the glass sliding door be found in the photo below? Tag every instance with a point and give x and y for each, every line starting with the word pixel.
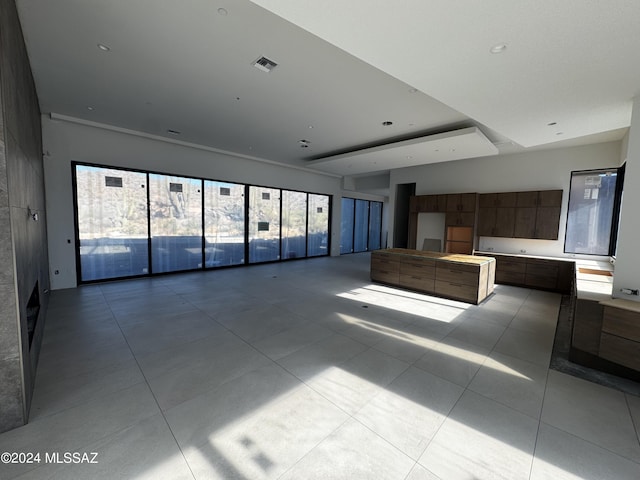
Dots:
pixel 318 221
pixel 112 223
pixel 223 223
pixel 346 225
pixel 264 224
pixel 176 223
pixel 294 224
pixel 361 230
pixel 375 225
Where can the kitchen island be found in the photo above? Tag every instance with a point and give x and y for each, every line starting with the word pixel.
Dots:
pixel 468 278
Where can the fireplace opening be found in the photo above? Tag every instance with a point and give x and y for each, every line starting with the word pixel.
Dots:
pixel 33 309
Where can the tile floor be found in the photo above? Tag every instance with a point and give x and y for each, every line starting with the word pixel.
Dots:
pixel 306 370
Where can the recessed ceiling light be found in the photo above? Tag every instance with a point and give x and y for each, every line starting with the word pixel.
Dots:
pixel 498 48
pixel 223 11
pixel 90 108
pixel 409 157
pixel 310 126
pixel 173 132
pixel 387 123
pixel 103 47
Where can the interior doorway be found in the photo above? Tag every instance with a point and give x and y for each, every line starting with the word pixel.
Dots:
pixel 404 191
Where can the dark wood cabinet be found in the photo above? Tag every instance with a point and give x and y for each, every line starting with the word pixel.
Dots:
pixel 460 219
pixel 534 214
pixel 461 208
pixel 461 277
pixel 461 202
pixel 547 223
pixel 496 214
pixel 525 222
pixel 435 203
pixel 428 203
pixel 541 273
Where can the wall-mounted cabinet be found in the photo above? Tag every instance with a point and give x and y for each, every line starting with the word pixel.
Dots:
pixel 534 214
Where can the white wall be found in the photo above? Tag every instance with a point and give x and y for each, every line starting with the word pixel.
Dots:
pixel 430 225
pixel 65 141
pixel 627 257
pixel 536 170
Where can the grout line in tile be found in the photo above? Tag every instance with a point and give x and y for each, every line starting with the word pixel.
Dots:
pixel 155 400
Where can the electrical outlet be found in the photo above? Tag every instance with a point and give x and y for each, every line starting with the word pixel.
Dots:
pixel 630 291
pixel 489 249
pixel 523 251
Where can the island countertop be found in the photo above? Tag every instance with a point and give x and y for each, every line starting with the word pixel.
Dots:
pixel 448 257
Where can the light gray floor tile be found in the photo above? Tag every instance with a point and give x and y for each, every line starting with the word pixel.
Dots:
pixel 356 381
pixel 168 331
pixel 408 412
pixel 288 341
pixel 634 408
pixel 482 439
pixel 352 452
pixel 256 324
pixel 144 451
pixel 268 440
pixel 196 421
pixel 310 361
pixel 483 334
pixel 561 456
pixel 53 394
pixel 534 347
pixel 222 363
pixel 418 472
pixel 72 429
pixel 405 346
pixel 485 315
pixel 188 354
pixel 82 359
pixel 513 382
pixel 455 361
pixel 592 412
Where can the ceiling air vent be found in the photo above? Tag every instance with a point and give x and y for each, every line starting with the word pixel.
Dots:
pixel 264 64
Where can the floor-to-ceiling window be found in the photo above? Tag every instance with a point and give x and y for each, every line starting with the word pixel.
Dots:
pixel 592 219
pixel 360 226
pixel 294 224
pixel 375 225
pixel 318 230
pixel 264 224
pixel 175 209
pixel 111 216
pixel 132 223
pixel 346 225
pixel 224 220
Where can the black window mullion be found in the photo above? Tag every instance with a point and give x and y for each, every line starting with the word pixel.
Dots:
pixel 280 222
pixel 202 208
pixel 149 259
pixel 246 224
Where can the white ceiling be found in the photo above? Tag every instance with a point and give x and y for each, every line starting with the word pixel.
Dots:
pixel 343 69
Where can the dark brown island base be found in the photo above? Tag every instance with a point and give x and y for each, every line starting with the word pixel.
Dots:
pixel 468 278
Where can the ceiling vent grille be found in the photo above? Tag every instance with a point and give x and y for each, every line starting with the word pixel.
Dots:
pixel 264 64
